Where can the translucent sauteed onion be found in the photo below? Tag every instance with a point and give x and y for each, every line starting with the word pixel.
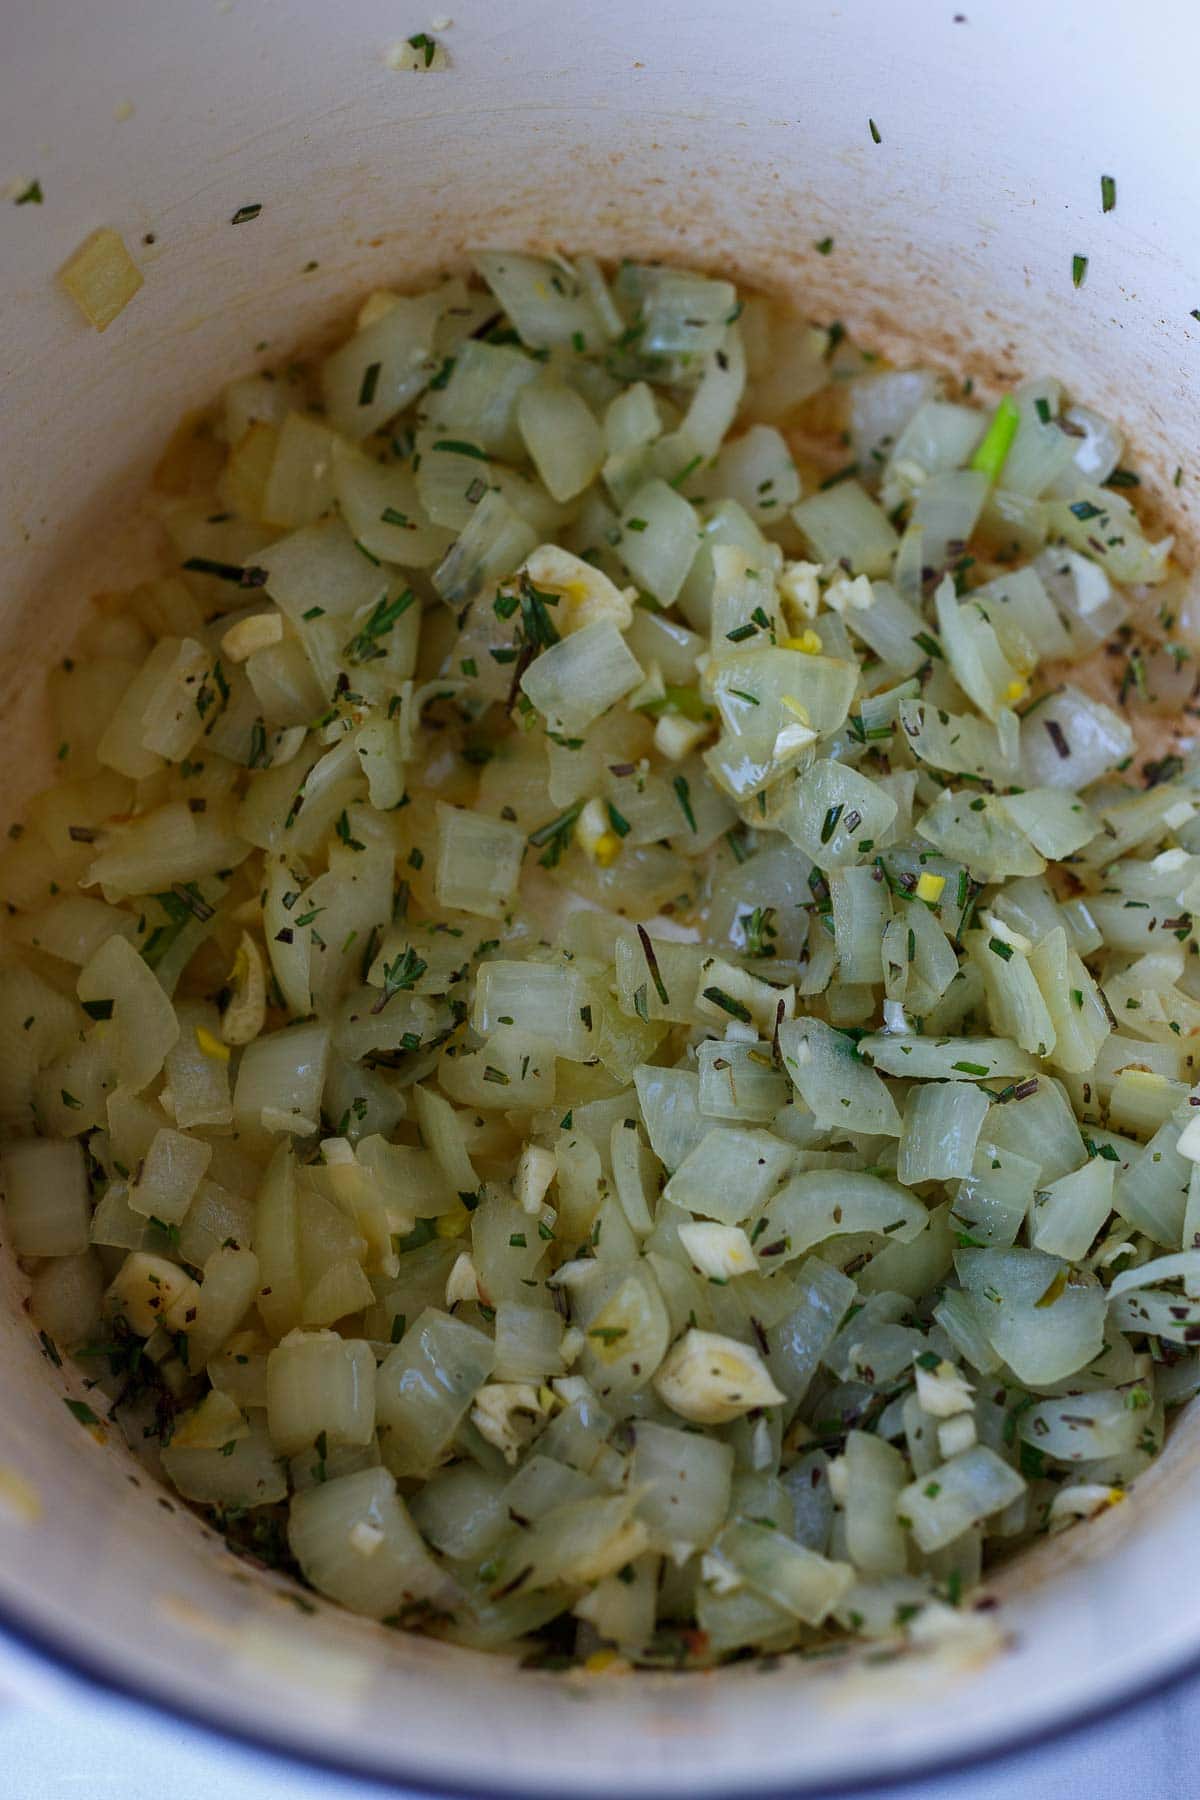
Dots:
pixel 597 1037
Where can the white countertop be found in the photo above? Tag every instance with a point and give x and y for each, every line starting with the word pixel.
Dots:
pixel 80 1744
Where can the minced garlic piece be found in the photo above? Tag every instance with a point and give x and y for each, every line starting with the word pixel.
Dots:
pixel 850 594
pixel 800 588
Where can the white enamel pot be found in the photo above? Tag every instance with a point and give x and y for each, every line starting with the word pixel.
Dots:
pixel 731 136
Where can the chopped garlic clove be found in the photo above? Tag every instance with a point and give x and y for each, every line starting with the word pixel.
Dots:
pixel 507 1414
pixel 849 594
pixel 587 591
pixel 800 589
pixel 712 1379
pixel 1084 1500
pixel 676 737
pixel 149 1291
pixel 943 1391
pixel 718 1251
pixel 535 1172
pixel 246 1014
pixel 259 632
pixel 956 1434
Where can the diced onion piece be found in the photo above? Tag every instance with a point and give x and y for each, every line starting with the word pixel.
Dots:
pixel 216 1421
pixel 1071 740
pixel 299 486
pixel 231 1278
pixel 478 861
pixel 322 566
pixel 683 1482
pixel 539 999
pixel 577 679
pixel 739 1081
pixel 425 1387
pixel 793 1577
pixel 834 811
pixel 728 1173
pixel 148 1291
pixel 1044 1324
pixel 562 437
pixel 875 1476
pixel 144 1026
pixel 45 1197
pixel 844 525
pixel 826 1203
pixel 838 1087
pixel 1104 523
pixel 528 1343
pixel 946 510
pixel 280 1080
pixel 941 1059
pixel 380 369
pixel 168 1176
pixel 321 1532
pixel 493 542
pixel 320 1384
pixel 757 470
pixel 881 409
pixel 548 301
pixel 101 277
pixel 957 1495
pixel 658 540
pixel 251 1473
pixel 942 1122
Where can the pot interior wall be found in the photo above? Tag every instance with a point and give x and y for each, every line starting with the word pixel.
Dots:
pixel 735 138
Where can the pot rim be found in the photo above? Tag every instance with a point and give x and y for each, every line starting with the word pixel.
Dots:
pixel 91 1671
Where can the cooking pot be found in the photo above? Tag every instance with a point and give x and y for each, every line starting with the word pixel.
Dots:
pixel 954 157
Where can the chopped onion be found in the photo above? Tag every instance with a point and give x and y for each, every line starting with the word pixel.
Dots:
pixel 555 919
pixel 846 526
pixel 101 277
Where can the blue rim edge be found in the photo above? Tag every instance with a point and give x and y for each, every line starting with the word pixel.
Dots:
pixel 90 1674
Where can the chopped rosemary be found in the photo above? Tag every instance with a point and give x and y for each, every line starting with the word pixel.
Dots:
pixel 660 987
pixel 727 1003
pixel 684 796
pixel 554 838
pixel 457 447
pixel 370 382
